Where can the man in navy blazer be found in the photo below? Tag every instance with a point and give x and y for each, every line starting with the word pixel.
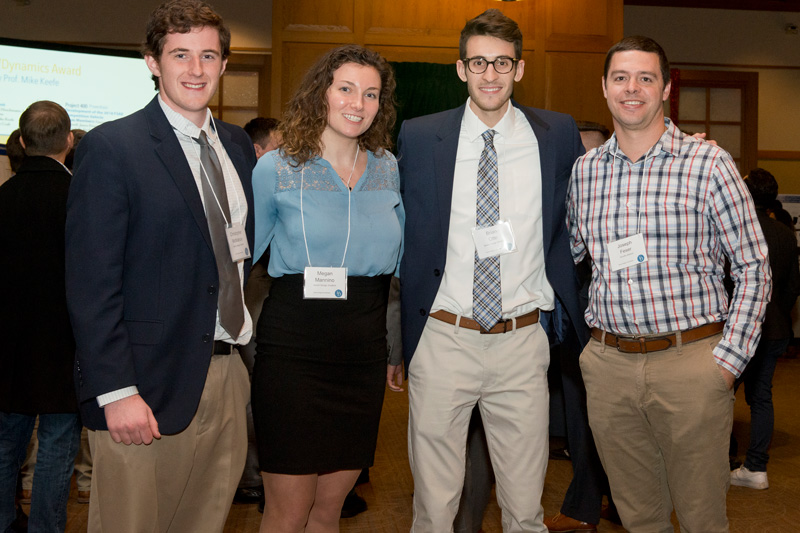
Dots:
pixel 453 361
pixel 158 377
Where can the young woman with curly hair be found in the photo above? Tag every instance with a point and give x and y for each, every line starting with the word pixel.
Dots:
pixel 327 203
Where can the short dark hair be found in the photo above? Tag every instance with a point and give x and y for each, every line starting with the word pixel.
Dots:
pixel 44 128
pixel 259 129
pixel 641 44
pixel 182 16
pixel 585 125
pixel 14 151
pixel 763 186
pixel 306 115
pixel 492 23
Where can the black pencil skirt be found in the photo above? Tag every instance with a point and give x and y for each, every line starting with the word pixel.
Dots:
pixel 319 376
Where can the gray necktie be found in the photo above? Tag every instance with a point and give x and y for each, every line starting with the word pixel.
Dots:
pixel 487 301
pixel 229 301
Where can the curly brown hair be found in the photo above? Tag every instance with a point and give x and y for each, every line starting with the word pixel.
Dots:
pixel 306 114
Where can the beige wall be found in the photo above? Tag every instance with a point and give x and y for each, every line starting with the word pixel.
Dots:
pixel 734 40
pixel 123 22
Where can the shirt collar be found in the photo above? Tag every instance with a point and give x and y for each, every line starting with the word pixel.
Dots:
pixel 186 127
pixel 474 127
pixel 671 142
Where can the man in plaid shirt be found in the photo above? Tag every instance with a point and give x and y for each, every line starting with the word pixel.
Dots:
pixel 658 213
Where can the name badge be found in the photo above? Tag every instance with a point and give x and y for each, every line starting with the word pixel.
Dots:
pixel 627 252
pixel 237 242
pixel 494 240
pixel 328 283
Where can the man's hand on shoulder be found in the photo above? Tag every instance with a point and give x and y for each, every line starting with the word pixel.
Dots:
pixel 131 421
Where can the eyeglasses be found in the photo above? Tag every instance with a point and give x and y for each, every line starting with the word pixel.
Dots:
pixel 478 65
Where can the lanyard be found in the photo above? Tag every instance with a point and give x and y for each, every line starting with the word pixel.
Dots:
pixel 349 202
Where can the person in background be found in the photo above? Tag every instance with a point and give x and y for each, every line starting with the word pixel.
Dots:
pixel 251 489
pixel 14 151
pixel 77 135
pixel 83 459
pixel 583 506
pixel 658 212
pixel 593 134
pixel 328 206
pixel 158 238
pixel 36 368
pixel 263 132
pixel 776 332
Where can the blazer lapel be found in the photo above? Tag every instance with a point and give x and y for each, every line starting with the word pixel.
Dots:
pixel 444 165
pixel 169 150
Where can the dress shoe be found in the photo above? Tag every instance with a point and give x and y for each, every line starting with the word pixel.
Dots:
pixel 743 477
pixel 20 523
pixel 353 505
pixel 563 524
pixel 25 497
pixel 249 495
pixel 609 512
pixel 83 496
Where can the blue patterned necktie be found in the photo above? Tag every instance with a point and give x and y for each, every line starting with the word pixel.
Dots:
pixel 487 303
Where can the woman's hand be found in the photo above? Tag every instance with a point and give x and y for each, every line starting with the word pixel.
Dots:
pixel 394 377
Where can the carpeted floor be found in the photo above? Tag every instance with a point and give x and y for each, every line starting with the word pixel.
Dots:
pixel 776 509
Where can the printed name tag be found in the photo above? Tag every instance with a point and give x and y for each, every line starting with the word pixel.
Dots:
pixel 494 240
pixel 329 283
pixel 237 242
pixel 627 252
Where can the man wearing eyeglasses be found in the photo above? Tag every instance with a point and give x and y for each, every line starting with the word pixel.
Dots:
pixel 486 262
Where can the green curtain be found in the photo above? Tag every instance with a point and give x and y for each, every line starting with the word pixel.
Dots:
pixel 425 88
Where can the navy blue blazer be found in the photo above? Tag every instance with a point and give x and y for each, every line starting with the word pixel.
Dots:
pixel 427 149
pixel 141 276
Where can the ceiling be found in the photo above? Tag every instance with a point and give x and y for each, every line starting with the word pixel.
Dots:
pixel 757 5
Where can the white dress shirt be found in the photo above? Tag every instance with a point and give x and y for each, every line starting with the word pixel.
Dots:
pixel 523 282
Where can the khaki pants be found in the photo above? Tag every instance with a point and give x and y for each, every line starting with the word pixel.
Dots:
pixel 662 423
pixel 179 483
pixel 506 375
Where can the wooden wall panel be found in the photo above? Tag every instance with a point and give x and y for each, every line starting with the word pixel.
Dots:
pixel 425 23
pixel 580 25
pixel 573 85
pixel 564 41
pixel 330 16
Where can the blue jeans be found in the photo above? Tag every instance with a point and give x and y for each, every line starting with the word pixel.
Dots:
pixel 757 379
pixel 59 437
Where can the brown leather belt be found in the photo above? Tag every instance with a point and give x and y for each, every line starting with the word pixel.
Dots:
pixel 501 327
pixel 657 343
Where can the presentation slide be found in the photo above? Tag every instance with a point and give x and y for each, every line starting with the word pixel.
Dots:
pixel 93 86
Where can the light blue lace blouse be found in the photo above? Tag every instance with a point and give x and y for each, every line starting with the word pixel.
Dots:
pixel 376 219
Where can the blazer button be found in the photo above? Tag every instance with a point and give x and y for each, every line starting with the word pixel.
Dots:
pixel 206 337
pixel 212 289
pixel 422 312
pixel 436 272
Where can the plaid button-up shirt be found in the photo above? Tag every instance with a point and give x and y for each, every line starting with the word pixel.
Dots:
pixel 693 210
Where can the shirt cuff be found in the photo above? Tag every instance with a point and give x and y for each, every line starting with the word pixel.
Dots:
pixel 119 394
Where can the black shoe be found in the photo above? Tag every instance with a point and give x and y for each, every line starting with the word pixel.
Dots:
pixel 261 506
pixel 249 495
pixel 20 523
pixel 353 505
